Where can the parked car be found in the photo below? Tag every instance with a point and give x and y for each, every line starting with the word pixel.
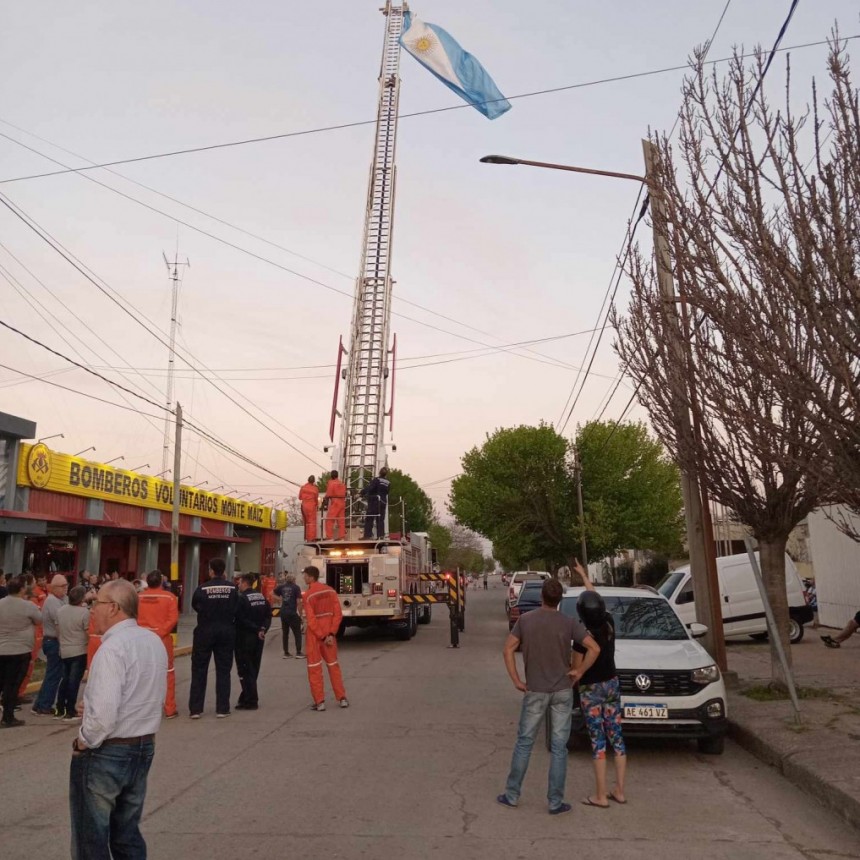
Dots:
pixel 743 610
pixel 516 583
pixel 670 686
pixel 528 599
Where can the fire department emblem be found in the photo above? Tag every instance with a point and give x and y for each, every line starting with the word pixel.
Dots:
pixel 39 466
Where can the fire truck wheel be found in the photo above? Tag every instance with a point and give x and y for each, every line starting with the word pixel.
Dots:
pixel 426 615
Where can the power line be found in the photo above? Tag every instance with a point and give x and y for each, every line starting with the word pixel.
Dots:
pixel 357 124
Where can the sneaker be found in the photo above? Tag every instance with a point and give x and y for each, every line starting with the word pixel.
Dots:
pixel 344 703
pixel 12 724
pixel 59 716
pixel 286 656
pixel 560 809
pixel 503 799
pixel 172 716
pixel 196 716
pixel 221 716
pixel 300 657
pixel 41 712
pixel 69 719
pixel 318 706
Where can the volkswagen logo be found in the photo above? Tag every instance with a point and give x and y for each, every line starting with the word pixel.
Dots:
pixel 643 682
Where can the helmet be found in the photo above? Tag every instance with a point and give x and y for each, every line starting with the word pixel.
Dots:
pixel 591 609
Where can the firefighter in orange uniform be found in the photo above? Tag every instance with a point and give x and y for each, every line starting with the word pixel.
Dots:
pixel 323 615
pixel 158 610
pixel 309 496
pixel 267 587
pixel 335 504
pixel 36 594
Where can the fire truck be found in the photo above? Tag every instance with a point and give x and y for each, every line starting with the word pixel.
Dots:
pixel 390 581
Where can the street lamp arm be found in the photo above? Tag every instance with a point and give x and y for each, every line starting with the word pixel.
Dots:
pixel 504 159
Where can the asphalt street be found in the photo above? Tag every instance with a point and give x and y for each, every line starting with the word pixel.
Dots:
pixel 411 769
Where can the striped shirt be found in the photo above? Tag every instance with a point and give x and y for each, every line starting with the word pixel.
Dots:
pixel 124 697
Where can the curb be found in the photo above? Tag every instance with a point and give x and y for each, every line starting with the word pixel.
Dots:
pixel 807 778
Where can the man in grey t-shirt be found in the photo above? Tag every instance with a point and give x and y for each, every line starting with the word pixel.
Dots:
pixel 545 636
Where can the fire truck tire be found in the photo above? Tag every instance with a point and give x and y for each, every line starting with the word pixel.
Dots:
pixel 426 615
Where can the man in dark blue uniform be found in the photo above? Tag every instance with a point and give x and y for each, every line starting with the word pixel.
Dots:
pixel 253 619
pixel 215 603
pixel 377 504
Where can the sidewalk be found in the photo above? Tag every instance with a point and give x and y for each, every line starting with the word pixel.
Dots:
pixel 821 756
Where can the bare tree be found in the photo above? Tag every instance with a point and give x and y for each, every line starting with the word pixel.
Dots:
pixel 735 239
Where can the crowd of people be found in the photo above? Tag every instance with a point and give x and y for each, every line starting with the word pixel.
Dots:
pixel 119 637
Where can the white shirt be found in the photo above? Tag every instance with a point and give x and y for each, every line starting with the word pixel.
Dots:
pixel 124 697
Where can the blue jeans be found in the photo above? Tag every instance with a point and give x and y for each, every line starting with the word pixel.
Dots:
pixel 73 672
pixel 107 787
pixel 535 705
pixel 53 675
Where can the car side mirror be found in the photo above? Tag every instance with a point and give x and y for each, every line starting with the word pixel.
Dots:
pixel 697 631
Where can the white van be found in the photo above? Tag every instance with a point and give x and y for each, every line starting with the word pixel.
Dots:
pixel 743 610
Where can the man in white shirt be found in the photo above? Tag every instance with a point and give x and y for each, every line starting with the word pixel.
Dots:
pixel 115 746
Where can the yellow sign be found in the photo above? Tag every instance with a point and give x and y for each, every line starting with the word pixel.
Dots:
pixel 42 468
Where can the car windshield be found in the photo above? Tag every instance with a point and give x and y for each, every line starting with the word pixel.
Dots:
pixel 531 592
pixel 670 582
pixel 637 617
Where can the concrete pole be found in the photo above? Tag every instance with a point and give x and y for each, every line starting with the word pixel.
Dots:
pixel 704 575
pixel 177 473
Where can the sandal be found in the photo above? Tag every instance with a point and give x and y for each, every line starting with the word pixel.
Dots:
pixel 589 802
pixel 830 642
pixel 614 799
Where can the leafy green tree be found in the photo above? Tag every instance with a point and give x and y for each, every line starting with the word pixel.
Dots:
pixel 517 489
pixel 416 504
pixel 440 538
pixel 631 490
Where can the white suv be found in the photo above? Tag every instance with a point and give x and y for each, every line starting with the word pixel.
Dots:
pixel 516 583
pixel 670 686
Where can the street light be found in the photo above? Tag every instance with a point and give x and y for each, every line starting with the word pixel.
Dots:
pixel 108 462
pixel 215 489
pixel 55 436
pixel 254 501
pixel 243 495
pixel 504 159
pixel 163 473
pixel 91 448
pixel 184 479
pixel 138 468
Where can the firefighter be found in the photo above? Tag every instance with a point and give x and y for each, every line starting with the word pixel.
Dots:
pixel 335 504
pixel 215 603
pixel 36 595
pixel 158 610
pixel 267 587
pixel 253 619
pixel 94 641
pixel 377 504
pixel 323 615
pixel 309 496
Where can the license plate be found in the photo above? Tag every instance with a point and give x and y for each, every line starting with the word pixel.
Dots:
pixel 646 712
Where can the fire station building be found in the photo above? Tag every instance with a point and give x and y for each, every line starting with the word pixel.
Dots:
pixel 63 514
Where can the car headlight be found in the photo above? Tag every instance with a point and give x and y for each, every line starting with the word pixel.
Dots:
pixel 706 675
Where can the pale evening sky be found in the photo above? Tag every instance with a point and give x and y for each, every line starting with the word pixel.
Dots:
pixel 506 254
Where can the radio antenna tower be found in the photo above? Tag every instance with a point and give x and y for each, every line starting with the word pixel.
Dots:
pixel 173 272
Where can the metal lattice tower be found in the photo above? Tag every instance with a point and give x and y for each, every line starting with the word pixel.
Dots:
pixel 361 444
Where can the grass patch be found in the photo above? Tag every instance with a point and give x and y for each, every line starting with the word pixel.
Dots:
pixel 768 693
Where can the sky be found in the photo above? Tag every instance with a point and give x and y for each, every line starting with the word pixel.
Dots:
pixel 484 256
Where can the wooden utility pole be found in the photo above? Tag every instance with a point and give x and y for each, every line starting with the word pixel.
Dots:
pixel 177 484
pixel 699 530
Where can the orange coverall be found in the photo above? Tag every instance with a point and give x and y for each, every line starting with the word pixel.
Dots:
pixel 309 496
pixel 38 598
pixel 94 641
pixel 267 588
pixel 323 614
pixel 335 492
pixel 158 610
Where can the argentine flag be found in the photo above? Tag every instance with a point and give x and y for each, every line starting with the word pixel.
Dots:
pixel 456 68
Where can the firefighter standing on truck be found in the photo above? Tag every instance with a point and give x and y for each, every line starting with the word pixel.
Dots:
pixel 158 610
pixel 309 496
pixel 335 505
pixel 377 504
pixel 323 614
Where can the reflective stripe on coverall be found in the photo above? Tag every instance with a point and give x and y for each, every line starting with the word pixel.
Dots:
pixel 309 496
pixel 158 610
pixel 335 492
pixel 323 614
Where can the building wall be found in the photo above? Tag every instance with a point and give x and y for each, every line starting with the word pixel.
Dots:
pixel 835 559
